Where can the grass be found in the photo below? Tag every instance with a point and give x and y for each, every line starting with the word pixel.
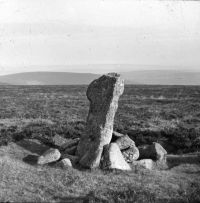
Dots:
pixel 165 114
pixel 22 182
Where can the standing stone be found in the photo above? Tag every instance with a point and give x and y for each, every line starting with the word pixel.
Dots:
pixel 103 94
pixel 113 158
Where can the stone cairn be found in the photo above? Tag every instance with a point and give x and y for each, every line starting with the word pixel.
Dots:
pixel 100 146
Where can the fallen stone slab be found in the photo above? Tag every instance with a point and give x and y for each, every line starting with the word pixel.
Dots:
pixel 70 143
pixel 49 156
pixel 125 142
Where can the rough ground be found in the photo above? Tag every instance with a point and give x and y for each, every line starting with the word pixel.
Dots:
pixel 22 180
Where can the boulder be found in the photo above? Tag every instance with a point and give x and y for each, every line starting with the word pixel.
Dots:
pixel 103 94
pixel 73 159
pixel 113 158
pixel 145 163
pixel 70 143
pixel 154 151
pixel 51 155
pixel 64 163
pixel 125 142
pixel 131 154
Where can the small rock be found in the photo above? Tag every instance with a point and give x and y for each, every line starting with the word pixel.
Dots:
pixel 51 155
pixel 125 142
pixel 145 163
pixel 73 159
pixel 154 151
pixel 131 154
pixel 70 143
pixel 64 163
pixel 113 158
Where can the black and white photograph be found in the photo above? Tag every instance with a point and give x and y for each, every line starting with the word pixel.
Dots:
pixel 100 101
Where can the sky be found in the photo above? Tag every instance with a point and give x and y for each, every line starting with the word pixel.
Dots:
pixel 98 35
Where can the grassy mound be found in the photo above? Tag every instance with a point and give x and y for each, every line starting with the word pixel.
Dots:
pixel 24 182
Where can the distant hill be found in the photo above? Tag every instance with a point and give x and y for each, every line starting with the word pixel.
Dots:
pixel 48 78
pixel 152 77
pixel 162 77
pixel 3 83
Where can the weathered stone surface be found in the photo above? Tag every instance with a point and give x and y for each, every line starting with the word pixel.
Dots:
pixel 64 163
pixel 116 134
pixel 103 95
pixel 125 142
pixel 73 159
pixel 145 163
pixel 131 154
pixel 113 158
pixel 70 143
pixel 51 155
pixel 154 151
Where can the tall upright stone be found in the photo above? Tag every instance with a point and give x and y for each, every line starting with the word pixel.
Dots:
pixel 103 94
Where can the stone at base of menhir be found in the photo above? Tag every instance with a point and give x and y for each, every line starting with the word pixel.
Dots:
pixel 64 163
pixel 70 143
pixel 51 155
pixel 113 158
pixel 125 142
pixel 145 163
pixel 74 159
pixel 131 154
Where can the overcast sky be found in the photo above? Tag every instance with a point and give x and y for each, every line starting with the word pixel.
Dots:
pixel 47 35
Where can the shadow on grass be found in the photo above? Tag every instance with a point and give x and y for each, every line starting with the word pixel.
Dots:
pixel 83 199
pixel 31 159
pixel 33 146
